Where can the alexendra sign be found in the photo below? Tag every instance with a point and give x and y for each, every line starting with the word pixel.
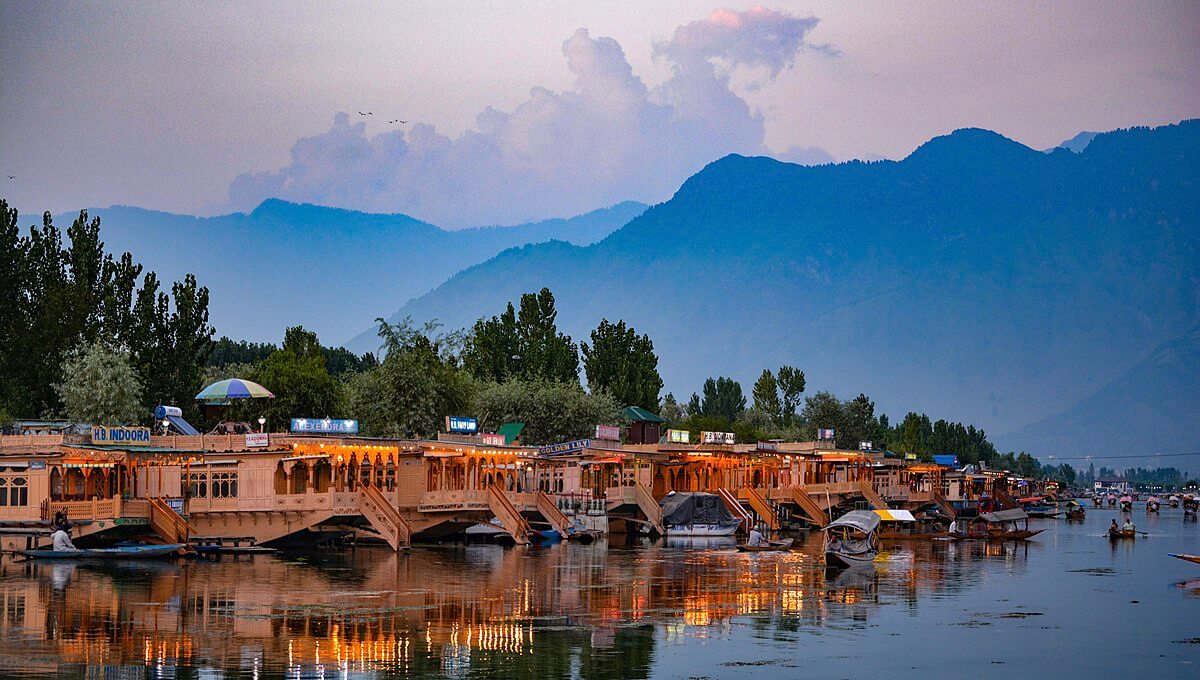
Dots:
pixel 106 434
pixel 319 425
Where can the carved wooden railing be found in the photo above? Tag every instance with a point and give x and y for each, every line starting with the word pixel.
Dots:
pixel 167 523
pixel 761 506
pixel 553 515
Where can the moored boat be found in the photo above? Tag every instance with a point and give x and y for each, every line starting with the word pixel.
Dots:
pixel 697 514
pixel 900 525
pixel 1001 525
pixel 128 552
pixel 851 539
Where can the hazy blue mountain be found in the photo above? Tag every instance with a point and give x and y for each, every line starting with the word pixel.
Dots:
pixel 1151 408
pixel 329 269
pixel 1077 143
pixel 977 279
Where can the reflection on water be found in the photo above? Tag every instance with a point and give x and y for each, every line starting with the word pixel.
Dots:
pixel 563 611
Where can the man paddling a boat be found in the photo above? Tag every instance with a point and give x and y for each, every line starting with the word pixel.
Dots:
pixel 756 540
pixel 1128 525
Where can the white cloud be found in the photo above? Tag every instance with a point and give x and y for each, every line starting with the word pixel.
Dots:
pixel 607 139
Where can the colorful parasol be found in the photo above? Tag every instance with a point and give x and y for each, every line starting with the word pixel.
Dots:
pixel 224 391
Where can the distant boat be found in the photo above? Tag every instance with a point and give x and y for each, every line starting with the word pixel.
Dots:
pixel 850 539
pixel 1126 503
pixel 1152 504
pixel 1112 499
pixel 1001 525
pixel 1097 501
pixel 1173 501
pixel 130 552
pixel 1075 511
pixel 1118 534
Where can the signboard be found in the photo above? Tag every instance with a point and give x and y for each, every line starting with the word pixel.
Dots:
pixel 609 432
pixel 865 446
pixel 104 434
pixel 825 434
pixel 37 465
pixel 461 425
pixel 679 436
pixel 565 447
pixel 258 439
pixel 319 425
pixel 768 446
pixel 718 438
pixel 493 439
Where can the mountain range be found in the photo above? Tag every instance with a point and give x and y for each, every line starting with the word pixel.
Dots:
pixel 1049 297
pixel 333 270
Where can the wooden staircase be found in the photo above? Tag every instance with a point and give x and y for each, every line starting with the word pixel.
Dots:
pixel 509 516
pixel 868 492
pixel 735 506
pixel 167 523
pixel 1006 501
pixel 810 507
pixel 945 505
pixel 761 506
pixel 558 521
pixel 386 519
pixel 650 508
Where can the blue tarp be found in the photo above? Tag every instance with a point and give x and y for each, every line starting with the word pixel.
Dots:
pixel 946 460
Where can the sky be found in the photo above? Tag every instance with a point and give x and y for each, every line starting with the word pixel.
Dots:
pixel 520 111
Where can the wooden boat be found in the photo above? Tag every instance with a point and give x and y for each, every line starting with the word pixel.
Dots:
pixel 851 539
pixel 1173 501
pixel 1126 503
pixel 1152 504
pixel 130 552
pixel 1097 501
pixel 773 545
pixel 1186 558
pixel 1075 512
pixel 1001 525
pixel 900 525
pixel 1122 534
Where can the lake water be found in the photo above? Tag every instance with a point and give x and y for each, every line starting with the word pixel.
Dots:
pixel 1068 603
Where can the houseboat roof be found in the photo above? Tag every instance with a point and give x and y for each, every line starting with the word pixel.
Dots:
pixel 1001 516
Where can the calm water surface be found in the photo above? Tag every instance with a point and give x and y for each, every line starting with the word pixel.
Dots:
pixel 1068 603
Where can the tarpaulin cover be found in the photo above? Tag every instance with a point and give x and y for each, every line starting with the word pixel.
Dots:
pixel 695 508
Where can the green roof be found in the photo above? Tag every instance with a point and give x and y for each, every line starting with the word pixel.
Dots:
pixel 636 413
pixel 510 431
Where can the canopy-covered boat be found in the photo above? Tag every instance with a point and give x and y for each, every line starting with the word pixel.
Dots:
pixel 1173 500
pixel 129 552
pixel 697 514
pixel 1097 501
pixel 901 525
pixel 1112 499
pixel 1001 525
pixel 1152 504
pixel 851 539
pixel 1126 503
pixel 1075 511
pixel 1190 505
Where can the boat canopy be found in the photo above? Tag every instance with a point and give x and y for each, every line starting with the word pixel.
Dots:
pixel 863 520
pixel 890 515
pixel 1001 516
pixel 695 508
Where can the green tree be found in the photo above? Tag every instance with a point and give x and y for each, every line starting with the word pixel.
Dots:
pixel 722 398
pixel 170 340
pixel 822 410
pixel 417 385
pixel 522 343
pixel 552 411
pixel 914 435
pixel 791 386
pixel 858 423
pixel 296 374
pixel 100 386
pixel 766 396
pixel 670 409
pixel 1027 465
pixel 622 363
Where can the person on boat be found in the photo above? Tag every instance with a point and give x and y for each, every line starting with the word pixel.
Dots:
pixel 62 541
pixel 1128 525
pixel 757 539
pixel 1113 528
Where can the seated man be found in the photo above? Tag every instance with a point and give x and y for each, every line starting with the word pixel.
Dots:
pixel 1128 525
pixel 756 540
pixel 62 541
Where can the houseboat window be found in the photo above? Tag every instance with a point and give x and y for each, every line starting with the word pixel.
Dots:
pixel 13 491
pixel 224 485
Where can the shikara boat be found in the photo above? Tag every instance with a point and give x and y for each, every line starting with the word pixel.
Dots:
pixel 130 552
pixel 1001 525
pixel 772 545
pixel 1173 501
pixel 900 525
pixel 1075 512
pixel 1152 504
pixel 1187 558
pixel 1097 501
pixel 1126 503
pixel 851 539
pixel 1120 534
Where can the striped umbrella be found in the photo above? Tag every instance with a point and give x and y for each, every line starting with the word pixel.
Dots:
pixel 224 391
